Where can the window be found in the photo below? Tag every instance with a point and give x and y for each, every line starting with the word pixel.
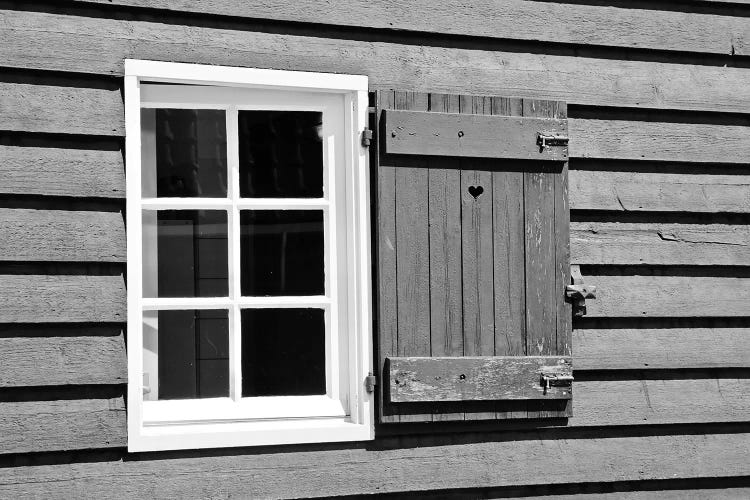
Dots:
pixel 249 317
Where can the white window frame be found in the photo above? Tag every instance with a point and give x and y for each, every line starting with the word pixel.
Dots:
pixel 345 413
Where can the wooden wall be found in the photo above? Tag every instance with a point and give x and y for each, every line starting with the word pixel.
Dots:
pixel 659 106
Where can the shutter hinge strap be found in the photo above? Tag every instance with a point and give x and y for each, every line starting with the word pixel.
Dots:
pixel 370 382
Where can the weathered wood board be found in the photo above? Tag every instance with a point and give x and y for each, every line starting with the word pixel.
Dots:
pixel 472 135
pixel 491 462
pixel 512 19
pixel 475 378
pixel 99 46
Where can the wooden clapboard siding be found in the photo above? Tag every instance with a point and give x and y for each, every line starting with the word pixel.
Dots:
pixel 514 19
pixel 43 361
pixel 99 46
pixel 61 425
pixel 100 112
pixel 660 244
pixel 50 299
pixel 491 462
pixel 59 235
pixel 62 172
pixel 668 296
pixel 100 423
pixel 68 110
pixel 660 348
pixel 633 140
pixel 658 192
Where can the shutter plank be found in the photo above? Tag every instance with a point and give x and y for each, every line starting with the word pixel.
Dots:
pixel 446 287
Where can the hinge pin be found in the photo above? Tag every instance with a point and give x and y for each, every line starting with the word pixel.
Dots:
pixel 370 382
pixel 366 137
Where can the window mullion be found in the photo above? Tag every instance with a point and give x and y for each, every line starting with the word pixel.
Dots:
pixel 233 188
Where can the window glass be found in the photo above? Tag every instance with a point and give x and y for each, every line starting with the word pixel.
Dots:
pixel 186 354
pixel 281 154
pixel 185 253
pixel 184 153
pixel 283 352
pixel 282 252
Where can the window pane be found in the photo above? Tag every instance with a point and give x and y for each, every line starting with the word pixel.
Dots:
pixel 185 253
pixel 186 354
pixel 184 153
pixel 283 352
pixel 281 154
pixel 281 252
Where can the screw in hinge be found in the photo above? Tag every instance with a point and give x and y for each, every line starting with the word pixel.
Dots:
pixel 370 382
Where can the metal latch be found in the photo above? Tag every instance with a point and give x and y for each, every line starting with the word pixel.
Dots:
pixel 552 379
pixel 370 382
pixel 545 140
pixel 366 137
pixel 578 292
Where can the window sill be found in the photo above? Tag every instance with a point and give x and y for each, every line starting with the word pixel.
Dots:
pixel 158 437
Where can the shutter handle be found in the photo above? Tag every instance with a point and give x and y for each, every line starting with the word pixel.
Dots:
pixel 578 292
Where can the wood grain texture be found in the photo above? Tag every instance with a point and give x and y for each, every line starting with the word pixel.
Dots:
pixel 62 172
pixel 492 463
pixel 485 378
pixel 684 401
pixel 472 135
pixel 657 192
pixel 42 361
pixel 34 426
pixel 65 299
pixel 660 244
pixel 39 108
pixel 661 348
pixel 59 235
pixel 511 19
pixel 668 296
pixel 99 46
pixel 635 140
pixel 63 110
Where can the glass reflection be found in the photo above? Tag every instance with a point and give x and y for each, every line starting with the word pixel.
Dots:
pixel 186 354
pixel 184 153
pixel 185 253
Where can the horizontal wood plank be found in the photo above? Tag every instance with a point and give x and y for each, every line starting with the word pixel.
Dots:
pixel 492 463
pixel 634 140
pixel 684 401
pixel 65 299
pixel 44 361
pixel 474 136
pixel 97 111
pixel 95 45
pixel 62 172
pixel 475 378
pixel 68 110
pixel 668 296
pixel 660 348
pixel 34 426
pixel 657 192
pixel 659 244
pixel 58 235
pixel 510 19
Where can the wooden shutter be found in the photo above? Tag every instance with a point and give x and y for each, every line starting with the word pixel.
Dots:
pixel 472 258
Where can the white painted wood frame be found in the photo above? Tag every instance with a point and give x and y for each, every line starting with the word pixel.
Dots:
pixel 345 412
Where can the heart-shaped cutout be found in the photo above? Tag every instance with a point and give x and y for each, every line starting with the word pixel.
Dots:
pixel 475 191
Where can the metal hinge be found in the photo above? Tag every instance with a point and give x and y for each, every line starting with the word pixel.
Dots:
pixel 545 140
pixel 366 137
pixel 578 292
pixel 370 382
